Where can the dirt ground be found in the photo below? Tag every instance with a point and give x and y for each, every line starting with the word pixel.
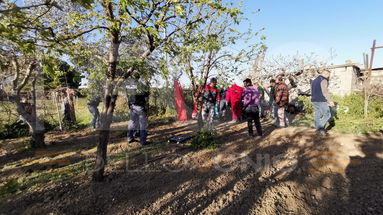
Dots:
pixel 289 171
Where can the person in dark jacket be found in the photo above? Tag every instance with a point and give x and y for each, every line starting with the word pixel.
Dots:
pixel 211 99
pixel 93 109
pixel 262 91
pixel 223 104
pixel 251 101
pixel 320 98
pixel 273 106
pixel 138 105
pixel 281 100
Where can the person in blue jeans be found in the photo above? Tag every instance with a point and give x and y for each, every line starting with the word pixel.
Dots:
pixel 320 98
pixel 92 107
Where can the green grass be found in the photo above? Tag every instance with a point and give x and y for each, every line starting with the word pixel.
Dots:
pixel 39 179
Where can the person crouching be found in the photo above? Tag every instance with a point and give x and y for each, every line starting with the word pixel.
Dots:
pixel 251 102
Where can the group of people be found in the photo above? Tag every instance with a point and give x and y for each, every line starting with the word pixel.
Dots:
pixel 247 103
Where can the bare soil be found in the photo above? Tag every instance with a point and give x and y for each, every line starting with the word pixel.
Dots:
pixel 289 171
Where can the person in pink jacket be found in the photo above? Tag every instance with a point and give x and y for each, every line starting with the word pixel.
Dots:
pixel 233 96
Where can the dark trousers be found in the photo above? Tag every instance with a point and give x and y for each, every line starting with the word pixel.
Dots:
pixel 252 115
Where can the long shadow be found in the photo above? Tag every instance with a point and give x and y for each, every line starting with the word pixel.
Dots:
pixel 113 195
pixel 154 189
pixel 250 198
pixel 366 178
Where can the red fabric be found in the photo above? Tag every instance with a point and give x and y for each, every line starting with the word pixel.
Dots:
pixel 180 102
pixel 236 109
pixel 234 93
pixel 234 96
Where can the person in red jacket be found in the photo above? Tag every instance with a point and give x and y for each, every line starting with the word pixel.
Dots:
pixel 234 96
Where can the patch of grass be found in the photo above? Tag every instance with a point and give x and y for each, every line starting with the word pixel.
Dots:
pixel 83 116
pixel 204 140
pixel 38 179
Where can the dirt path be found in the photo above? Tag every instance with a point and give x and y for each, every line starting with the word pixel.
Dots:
pixel 290 171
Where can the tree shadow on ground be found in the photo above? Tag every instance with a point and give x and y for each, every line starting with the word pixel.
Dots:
pixel 365 175
pixel 291 171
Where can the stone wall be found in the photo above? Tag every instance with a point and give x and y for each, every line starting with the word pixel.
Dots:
pixel 344 80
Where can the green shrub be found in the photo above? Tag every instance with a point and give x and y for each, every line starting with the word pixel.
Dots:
pixel 375 107
pixel 10 187
pixel 204 140
pixel 14 130
pixel 353 106
pixel 308 107
pixel 350 106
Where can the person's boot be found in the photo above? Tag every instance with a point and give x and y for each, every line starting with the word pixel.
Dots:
pixel 322 133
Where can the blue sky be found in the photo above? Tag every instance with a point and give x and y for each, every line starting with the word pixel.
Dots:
pixel 347 27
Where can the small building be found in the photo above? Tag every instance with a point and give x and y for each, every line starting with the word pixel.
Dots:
pixel 345 79
pixel 377 76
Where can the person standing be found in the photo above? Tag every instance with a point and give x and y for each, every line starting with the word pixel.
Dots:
pixel 93 109
pixel 138 104
pixel 234 94
pixel 261 90
pixel 272 105
pixel 320 98
pixel 211 98
pixel 251 101
pixel 223 104
pixel 281 100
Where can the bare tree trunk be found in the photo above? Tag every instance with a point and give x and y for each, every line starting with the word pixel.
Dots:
pixel 72 112
pixel 28 112
pixel 110 98
pixel 106 121
pixel 37 139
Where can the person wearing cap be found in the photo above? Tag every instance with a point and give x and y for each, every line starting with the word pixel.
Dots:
pixel 251 101
pixel 320 98
pixel 234 96
pixel 211 98
pixel 281 100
